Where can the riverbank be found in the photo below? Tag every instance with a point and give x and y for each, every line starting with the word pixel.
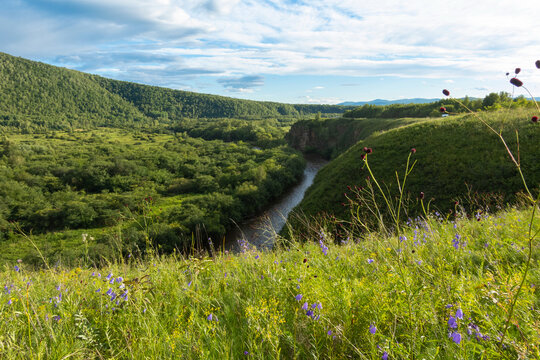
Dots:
pixel 261 230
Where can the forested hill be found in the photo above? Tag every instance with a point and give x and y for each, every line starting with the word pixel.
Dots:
pixel 36 94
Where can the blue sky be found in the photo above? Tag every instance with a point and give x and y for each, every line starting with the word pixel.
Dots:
pixel 295 51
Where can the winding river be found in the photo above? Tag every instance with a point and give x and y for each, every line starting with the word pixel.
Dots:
pixel 261 230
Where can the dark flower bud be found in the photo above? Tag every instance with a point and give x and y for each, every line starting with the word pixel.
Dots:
pixel 365 149
pixel 446 92
pixel 421 195
pixel 442 109
pixel 507 74
pixel 537 63
pixel 363 156
pixel 517 71
pixel 413 150
pixel 305 260
pixel 516 82
pixel 534 119
pixel 369 150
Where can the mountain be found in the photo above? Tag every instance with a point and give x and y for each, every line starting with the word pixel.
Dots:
pixel 35 94
pixel 388 102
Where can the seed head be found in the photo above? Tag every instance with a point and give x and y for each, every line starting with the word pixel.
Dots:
pixel 507 73
pixel 516 82
pixel 537 63
pixel 421 194
pixel 534 119
pixel 446 92
pixel 517 71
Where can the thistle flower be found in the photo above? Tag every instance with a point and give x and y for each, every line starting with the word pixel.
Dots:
pixel 534 119
pixel 517 71
pixel 446 92
pixel 516 82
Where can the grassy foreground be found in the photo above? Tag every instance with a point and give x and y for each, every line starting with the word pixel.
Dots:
pixel 440 292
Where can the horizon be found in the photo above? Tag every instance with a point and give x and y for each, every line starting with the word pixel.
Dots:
pixel 289 51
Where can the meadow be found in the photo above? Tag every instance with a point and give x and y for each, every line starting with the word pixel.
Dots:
pixel 441 291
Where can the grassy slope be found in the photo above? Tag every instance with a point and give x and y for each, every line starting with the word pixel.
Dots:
pixel 451 152
pixel 37 91
pixel 60 313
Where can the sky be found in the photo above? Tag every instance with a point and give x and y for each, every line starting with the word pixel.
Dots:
pixel 293 51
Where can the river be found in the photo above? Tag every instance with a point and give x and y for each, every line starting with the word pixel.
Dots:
pixel 261 231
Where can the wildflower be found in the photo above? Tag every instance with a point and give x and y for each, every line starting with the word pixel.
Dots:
pixel 516 82
pixel 119 279
pixel 517 71
pixel 369 261
pixel 369 150
pixel 57 318
pixel 309 313
pixel 442 109
pixel 298 297
pixel 446 92
pixel 246 352
pixel 372 329
pixel 384 356
pixel 534 119
pixel 421 195
pixel 452 323
pixel 16 268
pixel 456 337
pixel 9 302
pixel 329 333
pixel 109 276
pixel 537 63
pixel 324 248
pixel 305 306
pixel 210 317
pixel 459 314
pixel 363 156
pixel 413 150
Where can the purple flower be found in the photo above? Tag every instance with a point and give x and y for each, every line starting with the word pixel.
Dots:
pixel 459 314
pixel 309 313
pixel 305 306
pixel 246 352
pixel 9 302
pixel 298 297
pixel 329 333
pixel 456 337
pixel 384 356
pixel 119 279
pixel 452 323
pixel 369 261
pixel 372 329
pixel 210 317
pixel 16 268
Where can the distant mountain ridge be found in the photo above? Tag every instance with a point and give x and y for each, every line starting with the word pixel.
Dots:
pixel 389 102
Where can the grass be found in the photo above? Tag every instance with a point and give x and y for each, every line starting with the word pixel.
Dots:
pixel 257 312
pixel 456 157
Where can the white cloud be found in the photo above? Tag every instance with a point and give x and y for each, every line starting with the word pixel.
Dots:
pixel 232 38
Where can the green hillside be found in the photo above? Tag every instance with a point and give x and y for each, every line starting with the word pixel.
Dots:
pixel 455 156
pixel 40 96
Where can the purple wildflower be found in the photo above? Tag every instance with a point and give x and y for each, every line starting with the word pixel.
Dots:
pixel 369 261
pixel 456 337
pixel 305 306
pixel 452 323
pixel 459 314
pixel 246 352
pixel 329 333
pixel 16 268
pixel 309 313
pixel 384 356
pixel 298 297
pixel 372 329
pixel 210 317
